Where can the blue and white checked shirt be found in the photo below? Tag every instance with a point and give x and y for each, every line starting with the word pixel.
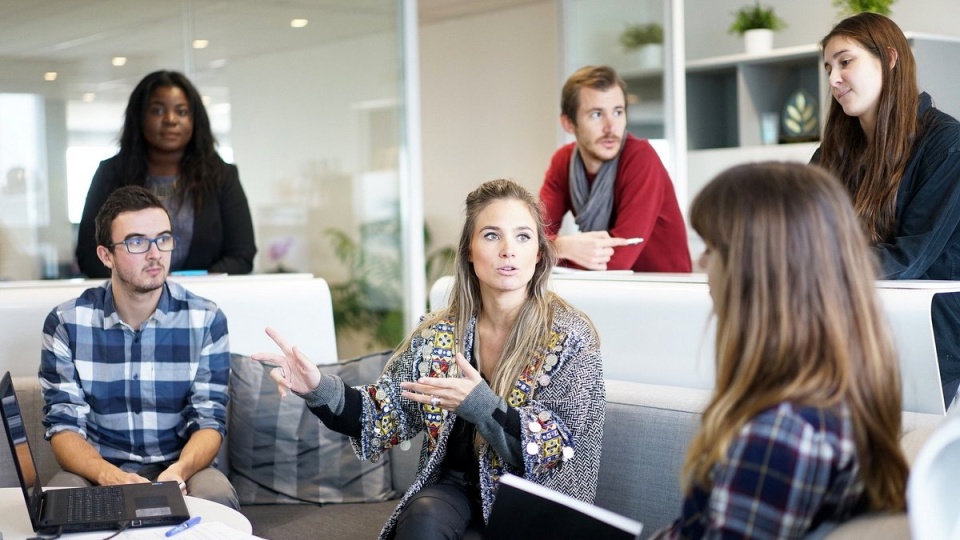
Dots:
pixel 790 469
pixel 136 396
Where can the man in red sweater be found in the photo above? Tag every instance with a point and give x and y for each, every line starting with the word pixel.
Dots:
pixel 613 182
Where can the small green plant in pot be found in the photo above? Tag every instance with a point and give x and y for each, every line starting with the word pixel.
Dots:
pixel 645 43
pixel 756 24
pixel 755 17
pixel 635 36
pixel 852 7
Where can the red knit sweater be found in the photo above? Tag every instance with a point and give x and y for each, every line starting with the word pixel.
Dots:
pixel 644 205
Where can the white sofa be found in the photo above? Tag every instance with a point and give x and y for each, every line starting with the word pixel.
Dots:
pixel 297 305
pixel 657 328
pixel 656 336
pixel 648 424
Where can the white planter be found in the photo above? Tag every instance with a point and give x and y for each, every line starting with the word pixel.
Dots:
pixel 758 40
pixel 648 56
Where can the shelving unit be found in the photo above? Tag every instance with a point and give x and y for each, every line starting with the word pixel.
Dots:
pixel 726 96
pixel 646 116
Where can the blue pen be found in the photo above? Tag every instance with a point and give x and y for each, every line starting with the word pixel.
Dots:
pixel 184 526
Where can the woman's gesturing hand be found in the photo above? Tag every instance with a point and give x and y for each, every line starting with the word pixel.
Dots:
pixel 448 392
pixel 293 370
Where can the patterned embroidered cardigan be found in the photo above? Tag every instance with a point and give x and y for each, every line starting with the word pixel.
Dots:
pixel 560 397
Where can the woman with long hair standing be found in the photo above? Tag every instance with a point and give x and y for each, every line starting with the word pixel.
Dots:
pixel 506 379
pixel 899 158
pixel 803 425
pixel 167 146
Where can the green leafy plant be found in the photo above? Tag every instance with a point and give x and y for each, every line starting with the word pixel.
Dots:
pixel 852 7
pixel 755 17
pixel 370 301
pixel 635 36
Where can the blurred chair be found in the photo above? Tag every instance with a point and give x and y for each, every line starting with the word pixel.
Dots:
pixel 933 491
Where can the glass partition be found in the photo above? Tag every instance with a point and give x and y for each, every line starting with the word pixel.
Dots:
pixel 628 35
pixel 305 97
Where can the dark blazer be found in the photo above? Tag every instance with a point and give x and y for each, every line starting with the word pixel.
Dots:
pixel 222 230
pixel 925 243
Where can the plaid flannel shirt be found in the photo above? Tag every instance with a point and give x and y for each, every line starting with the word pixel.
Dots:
pixel 136 396
pixel 790 469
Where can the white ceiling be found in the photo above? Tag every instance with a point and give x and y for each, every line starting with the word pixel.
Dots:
pixel 78 38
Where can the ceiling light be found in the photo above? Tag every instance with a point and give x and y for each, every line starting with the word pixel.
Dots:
pixel 119 61
pixel 50 76
pixel 89 97
pixel 298 23
pixel 200 43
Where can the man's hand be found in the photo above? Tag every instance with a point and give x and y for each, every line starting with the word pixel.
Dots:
pixel 173 474
pixel 118 477
pixel 590 250
pixel 197 454
pixel 76 455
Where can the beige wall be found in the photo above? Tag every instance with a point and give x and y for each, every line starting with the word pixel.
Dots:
pixel 490 106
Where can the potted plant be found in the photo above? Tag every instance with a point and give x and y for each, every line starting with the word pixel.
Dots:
pixel 852 7
pixel 756 24
pixel 368 306
pixel 645 42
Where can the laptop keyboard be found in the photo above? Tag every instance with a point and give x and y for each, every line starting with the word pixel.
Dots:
pixel 97 504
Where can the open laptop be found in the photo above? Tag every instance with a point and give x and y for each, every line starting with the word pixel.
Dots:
pixel 84 509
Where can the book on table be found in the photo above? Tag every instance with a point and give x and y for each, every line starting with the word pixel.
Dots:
pixel 524 509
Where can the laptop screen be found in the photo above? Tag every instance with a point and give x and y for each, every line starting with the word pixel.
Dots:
pixel 20 448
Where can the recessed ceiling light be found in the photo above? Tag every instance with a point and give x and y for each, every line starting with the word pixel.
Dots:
pixel 50 76
pixel 218 63
pixel 298 23
pixel 200 43
pixel 89 97
pixel 119 61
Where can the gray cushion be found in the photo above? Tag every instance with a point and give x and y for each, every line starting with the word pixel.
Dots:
pixel 643 451
pixel 281 453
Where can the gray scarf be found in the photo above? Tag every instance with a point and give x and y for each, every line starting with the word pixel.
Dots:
pixel 593 205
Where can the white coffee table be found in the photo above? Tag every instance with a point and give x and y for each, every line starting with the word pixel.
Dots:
pixel 15 524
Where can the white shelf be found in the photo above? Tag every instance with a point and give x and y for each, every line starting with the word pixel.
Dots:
pixel 727 94
pixel 800 52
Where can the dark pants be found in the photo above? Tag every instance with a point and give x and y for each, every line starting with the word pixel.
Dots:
pixel 443 511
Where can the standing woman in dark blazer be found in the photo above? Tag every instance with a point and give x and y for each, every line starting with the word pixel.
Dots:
pixel 167 146
pixel 899 158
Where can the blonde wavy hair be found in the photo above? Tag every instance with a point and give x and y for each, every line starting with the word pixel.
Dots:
pixel 797 318
pixel 536 316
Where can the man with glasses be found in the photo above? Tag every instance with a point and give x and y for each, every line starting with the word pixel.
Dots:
pixel 134 372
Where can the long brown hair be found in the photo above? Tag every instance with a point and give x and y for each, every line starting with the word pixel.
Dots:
pixel 536 314
pixel 797 317
pixel 872 172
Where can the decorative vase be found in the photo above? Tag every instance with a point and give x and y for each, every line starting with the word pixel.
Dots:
pixel 758 40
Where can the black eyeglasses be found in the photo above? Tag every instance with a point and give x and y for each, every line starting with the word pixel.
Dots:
pixel 141 244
